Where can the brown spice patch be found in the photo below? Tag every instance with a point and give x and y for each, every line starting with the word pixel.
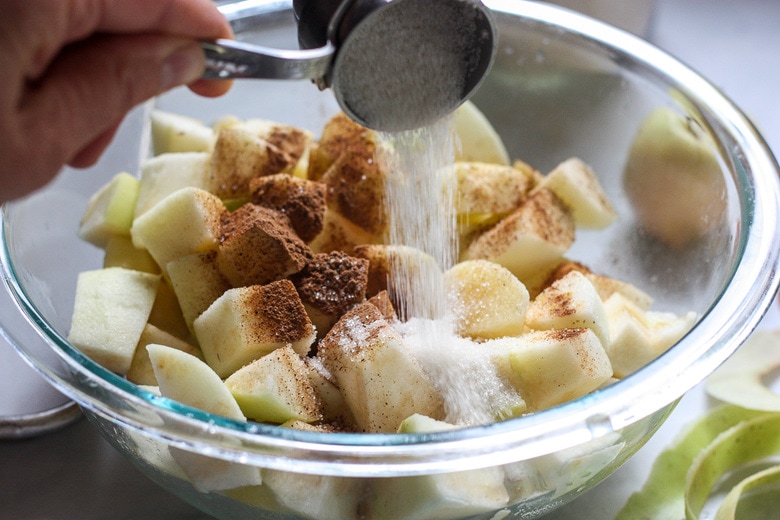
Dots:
pixel 258 246
pixel 356 190
pixel 303 201
pixel 277 312
pixel 333 282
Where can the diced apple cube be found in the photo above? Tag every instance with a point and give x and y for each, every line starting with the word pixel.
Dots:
pixel 323 497
pixel 340 135
pixel 570 302
pixel 379 378
pixel 556 366
pixel 577 186
pixel 303 201
pixel 259 246
pixel 240 155
pixel 141 371
pixel 479 141
pixel 339 234
pixel 247 323
pixel 185 378
pixel 445 495
pixel 335 411
pixel 638 335
pixel 489 188
pixel 168 173
pixel 197 282
pixel 356 188
pixel 188 380
pixel 109 314
pixel 532 238
pixel 172 133
pixel 330 285
pixel 185 222
pixel 487 300
pixel 276 388
pixel 110 210
pixel 167 314
pixel 120 252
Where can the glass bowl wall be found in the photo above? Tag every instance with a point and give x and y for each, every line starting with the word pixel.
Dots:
pixel 563 85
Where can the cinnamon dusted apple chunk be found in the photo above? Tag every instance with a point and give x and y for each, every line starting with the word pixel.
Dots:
pixel 259 246
pixel 303 201
pixel 247 323
pixel 531 239
pixel 382 383
pixel 241 155
pixel 330 285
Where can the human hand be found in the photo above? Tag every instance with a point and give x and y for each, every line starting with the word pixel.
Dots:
pixel 72 69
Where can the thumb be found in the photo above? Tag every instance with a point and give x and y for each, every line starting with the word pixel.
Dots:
pixel 93 84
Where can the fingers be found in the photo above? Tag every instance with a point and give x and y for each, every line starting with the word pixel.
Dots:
pixel 94 83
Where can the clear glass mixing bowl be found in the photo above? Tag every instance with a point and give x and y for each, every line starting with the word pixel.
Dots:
pixel 562 85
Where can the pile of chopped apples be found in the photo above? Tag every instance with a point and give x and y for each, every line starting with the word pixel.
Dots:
pixel 245 274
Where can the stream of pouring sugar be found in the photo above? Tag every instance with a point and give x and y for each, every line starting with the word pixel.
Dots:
pixel 420 203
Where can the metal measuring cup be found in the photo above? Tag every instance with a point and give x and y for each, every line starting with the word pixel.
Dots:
pixel 392 64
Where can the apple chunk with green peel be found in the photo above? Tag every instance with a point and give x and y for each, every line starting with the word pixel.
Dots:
pixel 246 323
pixel 531 239
pixel 555 366
pixel 673 178
pixel 110 210
pixel 185 222
pixel 381 381
pixel 487 300
pixel 276 389
pixel 109 314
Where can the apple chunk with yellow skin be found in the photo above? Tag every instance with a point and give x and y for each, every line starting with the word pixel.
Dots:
pixel 380 380
pixel 110 210
pixel 187 221
pixel 246 323
pixel 673 178
pixel 556 366
pixel 488 301
pixel 532 238
pixel 276 388
pixel 109 314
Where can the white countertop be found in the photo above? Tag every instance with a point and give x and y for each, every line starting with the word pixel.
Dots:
pixel 75 474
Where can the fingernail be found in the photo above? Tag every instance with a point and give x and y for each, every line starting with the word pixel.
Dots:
pixel 182 66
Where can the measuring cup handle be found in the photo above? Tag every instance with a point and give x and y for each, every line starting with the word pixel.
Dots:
pixel 229 59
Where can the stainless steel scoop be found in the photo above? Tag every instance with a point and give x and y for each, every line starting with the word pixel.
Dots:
pixel 392 64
